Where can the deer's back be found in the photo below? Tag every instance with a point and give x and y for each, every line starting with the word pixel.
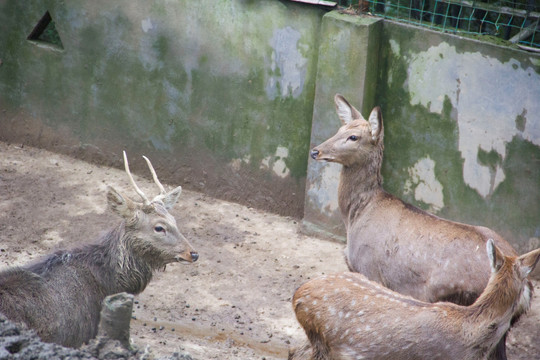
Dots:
pixel 350 317
pixel 62 304
pixel 419 254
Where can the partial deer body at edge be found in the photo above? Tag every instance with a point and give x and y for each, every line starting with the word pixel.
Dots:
pixel 395 243
pixel 60 295
pixel 346 316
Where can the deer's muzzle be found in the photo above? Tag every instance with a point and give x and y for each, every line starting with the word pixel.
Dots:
pixel 190 257
pixel 314 154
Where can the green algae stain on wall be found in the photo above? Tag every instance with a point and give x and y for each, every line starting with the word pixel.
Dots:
pixel 515 201
pixel 439 114
pixel 257 112
pixel 467 79
pixel 232 81
pixel 242 126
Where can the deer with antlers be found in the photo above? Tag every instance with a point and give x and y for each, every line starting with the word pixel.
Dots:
pixel 60 296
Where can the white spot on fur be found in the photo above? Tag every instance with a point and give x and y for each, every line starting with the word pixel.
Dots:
pixel 332 310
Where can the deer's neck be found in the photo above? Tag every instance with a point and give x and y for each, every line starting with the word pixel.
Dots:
pixel 494 311
pixel 121 270
pixel 357 186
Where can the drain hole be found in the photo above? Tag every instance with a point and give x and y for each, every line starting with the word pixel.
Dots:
pixel 45 32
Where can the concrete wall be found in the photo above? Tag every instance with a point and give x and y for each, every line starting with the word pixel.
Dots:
pixel 462 132
pixel 348 62
pixel 227 97
pixel 218 93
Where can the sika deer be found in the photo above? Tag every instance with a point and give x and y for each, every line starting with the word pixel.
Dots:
pixel 346 316
pixel 392 242
pixel 60 296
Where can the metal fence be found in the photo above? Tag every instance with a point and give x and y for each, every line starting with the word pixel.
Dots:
pixel 512 21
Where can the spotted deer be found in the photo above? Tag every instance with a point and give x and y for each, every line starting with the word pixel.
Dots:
pixel 395 243
pixel 347 316
pixel 60 296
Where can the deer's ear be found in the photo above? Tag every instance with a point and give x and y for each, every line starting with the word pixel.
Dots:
pixel 346 112
pixel 496 258
pixel 120 204
pixel 170 199
pixel 376 123
pixel 528 262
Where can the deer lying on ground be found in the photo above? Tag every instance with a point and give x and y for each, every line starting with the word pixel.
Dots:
pixel 60 296
pixel 392 242
pixel 346 316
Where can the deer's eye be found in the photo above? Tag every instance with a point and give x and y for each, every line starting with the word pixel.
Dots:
pixel 353 138
pixel 159 228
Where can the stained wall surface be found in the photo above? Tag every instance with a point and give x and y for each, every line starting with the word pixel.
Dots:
pixel 228 96
pixel 462 132
pixel 218 93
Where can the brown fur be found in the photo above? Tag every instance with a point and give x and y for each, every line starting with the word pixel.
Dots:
pixel 346 316
pixel 395 243
pixel 60 296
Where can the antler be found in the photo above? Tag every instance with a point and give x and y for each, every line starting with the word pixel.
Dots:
pixel 154 175
pixel 137 190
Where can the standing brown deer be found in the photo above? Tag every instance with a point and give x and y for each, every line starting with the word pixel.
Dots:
pixel 392 242
pixel 60 296
pixel 346 316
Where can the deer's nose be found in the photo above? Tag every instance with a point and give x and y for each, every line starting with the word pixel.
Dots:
pixel 314 153
pixel 194 256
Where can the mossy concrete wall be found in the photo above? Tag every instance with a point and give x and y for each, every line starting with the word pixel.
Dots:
pixel 218 93
pixel 462 131
pixel 222 94
pixel 348 62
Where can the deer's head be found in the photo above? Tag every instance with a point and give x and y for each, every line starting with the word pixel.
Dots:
pixel 356 140
pixel 150 229
pixel 510 273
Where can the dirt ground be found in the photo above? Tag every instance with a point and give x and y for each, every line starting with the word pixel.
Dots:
pixel 234 303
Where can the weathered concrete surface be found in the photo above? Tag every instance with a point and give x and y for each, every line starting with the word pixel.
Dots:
pixel 462 131
pixel 462 125
pixel 218 93
pixel 221 94
pixel 348 62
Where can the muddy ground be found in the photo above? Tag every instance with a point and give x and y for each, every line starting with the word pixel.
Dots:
pixel 234 303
